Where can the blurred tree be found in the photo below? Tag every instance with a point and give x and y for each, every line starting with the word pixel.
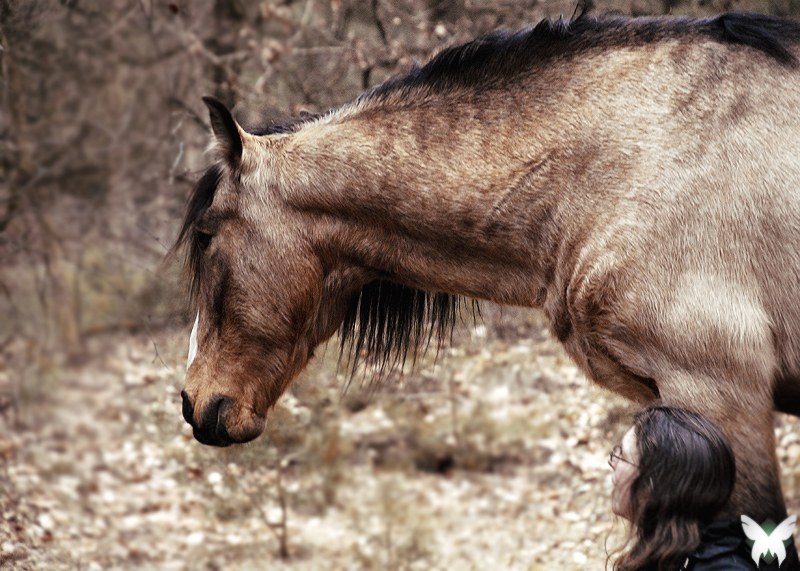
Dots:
pixel 102 129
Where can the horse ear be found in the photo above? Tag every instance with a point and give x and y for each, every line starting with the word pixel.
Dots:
pixel 225 129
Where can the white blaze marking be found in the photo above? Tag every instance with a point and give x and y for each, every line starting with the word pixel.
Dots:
pixel 193 342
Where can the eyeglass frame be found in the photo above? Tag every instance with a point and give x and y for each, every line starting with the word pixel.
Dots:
pixel 616 452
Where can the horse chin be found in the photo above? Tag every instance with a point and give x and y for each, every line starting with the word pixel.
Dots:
pixel 222 422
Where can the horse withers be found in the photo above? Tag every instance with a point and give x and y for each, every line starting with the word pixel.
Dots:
pixel 636 179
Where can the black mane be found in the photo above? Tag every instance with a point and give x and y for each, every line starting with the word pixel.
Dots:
pixel 385 322
pixel 284 126
pixel 190 237
pixel 504 55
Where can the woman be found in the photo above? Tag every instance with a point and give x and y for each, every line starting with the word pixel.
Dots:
pixel 672 474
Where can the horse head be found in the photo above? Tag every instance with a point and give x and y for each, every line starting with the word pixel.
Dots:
pixel 264 297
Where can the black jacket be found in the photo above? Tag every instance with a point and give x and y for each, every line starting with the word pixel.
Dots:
pixel 724 547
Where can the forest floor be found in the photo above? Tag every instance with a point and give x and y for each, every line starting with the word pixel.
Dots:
pixel 493 457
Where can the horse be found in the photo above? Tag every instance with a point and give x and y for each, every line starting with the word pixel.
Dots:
pixel 638 180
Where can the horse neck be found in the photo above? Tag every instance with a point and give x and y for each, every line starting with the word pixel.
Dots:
pixel 462 197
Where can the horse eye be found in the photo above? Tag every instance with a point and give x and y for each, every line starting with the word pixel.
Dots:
pixel 204 240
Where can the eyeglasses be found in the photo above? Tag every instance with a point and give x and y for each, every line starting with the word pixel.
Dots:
pixel 616 452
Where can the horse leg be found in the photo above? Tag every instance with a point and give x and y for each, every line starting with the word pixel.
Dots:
pixel 746 417
pixel 742 409
pixel 744 413
pixel 710 351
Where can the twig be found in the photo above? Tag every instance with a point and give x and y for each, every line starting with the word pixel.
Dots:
pixel 379 23
pixel 280 529
pixel 155 346
pixel 176 161
pixel 154 237
pixel 454 412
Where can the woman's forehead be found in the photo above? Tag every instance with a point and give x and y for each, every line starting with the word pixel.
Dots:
pixel 629 442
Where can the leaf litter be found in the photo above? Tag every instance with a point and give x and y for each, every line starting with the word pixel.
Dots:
pixel 493 456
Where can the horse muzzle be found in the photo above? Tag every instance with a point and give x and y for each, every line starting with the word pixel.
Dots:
pixel 218 423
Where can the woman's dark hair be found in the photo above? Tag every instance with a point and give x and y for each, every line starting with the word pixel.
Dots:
pixel 686 475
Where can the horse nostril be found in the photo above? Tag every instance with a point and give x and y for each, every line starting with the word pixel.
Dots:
pixel 188 408
pixel 210 429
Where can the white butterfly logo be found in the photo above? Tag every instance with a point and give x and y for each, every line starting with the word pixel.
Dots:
pixel 768 543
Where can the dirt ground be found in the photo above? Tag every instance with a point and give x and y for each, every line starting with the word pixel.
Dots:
pixel 493 457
